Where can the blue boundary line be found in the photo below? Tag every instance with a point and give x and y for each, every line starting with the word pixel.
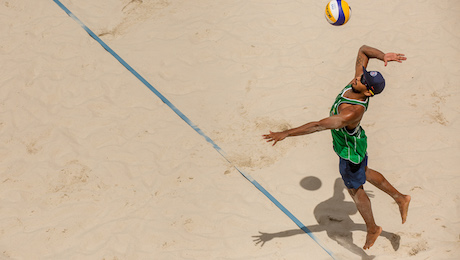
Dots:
pixel 196 128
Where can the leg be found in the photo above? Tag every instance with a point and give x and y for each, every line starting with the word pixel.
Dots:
pixel 380 182
pixel 364 207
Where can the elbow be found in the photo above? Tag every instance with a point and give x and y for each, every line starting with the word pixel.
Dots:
pixel 363 47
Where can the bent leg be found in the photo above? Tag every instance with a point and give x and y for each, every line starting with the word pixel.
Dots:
pixel 364 207
pixel 377 179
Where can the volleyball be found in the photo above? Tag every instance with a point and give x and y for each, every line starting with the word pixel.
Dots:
pixel 338 12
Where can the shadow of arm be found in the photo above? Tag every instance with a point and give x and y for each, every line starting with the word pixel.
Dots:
pixel 263 237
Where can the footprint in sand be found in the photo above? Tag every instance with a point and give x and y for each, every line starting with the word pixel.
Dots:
pixel 133 12
pixel 72 174
pixel 436 115
pixel 245 146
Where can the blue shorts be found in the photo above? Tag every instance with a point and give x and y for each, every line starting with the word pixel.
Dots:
pixel 353 175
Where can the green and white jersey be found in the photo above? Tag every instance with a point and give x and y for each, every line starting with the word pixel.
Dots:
pixel 348 145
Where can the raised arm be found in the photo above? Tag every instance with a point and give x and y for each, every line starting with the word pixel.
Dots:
pixel 347 116
pixel 366 52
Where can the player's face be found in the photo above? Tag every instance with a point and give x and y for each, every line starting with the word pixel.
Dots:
pixel 357 86
pixel 362 80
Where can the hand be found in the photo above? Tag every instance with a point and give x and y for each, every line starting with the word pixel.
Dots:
pixel 262 238
pixel 275 136
pixel 399 57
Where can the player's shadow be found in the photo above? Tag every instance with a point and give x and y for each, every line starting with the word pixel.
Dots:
pixel 333 216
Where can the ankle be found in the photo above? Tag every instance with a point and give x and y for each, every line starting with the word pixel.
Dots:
pixel 399 198
pixel 373 229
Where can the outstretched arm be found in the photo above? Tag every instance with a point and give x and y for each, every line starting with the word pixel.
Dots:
pixel 347 116
pixel 366 52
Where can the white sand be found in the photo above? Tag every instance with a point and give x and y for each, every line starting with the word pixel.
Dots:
pixel 95 166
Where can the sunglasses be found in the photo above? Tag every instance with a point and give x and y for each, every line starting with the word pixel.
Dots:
pixel 363 81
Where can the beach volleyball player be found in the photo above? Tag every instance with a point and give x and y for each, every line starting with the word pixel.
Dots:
pixel 349 138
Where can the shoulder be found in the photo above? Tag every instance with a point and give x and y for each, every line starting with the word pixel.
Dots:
pixel 351 108
pixel 351 112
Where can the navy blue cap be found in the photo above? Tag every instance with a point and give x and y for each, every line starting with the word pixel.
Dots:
pixel 375 81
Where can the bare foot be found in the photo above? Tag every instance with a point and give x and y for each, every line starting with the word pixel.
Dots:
pixel 371 237
pixel 404 207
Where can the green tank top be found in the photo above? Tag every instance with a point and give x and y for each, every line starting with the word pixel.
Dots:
pixel 348 145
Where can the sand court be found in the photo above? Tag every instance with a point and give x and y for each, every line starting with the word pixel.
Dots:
pixel 95 166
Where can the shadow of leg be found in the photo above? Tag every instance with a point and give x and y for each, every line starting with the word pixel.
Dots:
pixel 394 239
pixel 346 241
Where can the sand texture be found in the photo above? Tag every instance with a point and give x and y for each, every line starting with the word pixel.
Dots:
pixel 93 165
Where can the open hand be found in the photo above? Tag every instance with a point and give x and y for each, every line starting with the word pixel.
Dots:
pixel 275 136
pixel 262 238
pixel 391 56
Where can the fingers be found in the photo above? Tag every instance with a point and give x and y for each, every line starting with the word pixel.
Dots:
pixel 270 138
pixel 273 137
pixel 400 57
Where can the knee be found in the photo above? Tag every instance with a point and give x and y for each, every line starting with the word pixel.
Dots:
pixel 373 176
pixel 353 192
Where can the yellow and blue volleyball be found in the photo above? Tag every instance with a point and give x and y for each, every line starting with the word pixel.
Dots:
pixel 338 12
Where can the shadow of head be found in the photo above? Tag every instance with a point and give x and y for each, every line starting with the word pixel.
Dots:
pixel 311 183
